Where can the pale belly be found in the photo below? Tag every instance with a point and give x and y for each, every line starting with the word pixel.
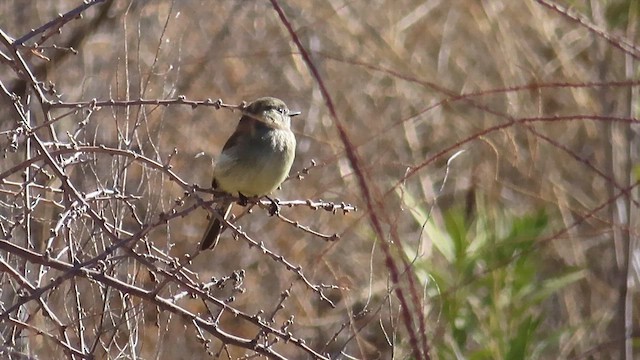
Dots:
pixel 257 169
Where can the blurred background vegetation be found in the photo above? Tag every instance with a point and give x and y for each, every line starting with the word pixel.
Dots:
pixel 524 245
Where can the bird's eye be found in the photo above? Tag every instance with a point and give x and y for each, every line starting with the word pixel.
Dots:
pixel 281 110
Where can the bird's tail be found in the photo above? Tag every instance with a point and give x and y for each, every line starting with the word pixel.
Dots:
pixel 215 227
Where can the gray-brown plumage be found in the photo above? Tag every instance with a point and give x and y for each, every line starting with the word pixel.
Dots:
pixel 255 160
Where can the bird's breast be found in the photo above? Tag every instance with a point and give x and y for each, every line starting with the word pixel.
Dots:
pixel 256 166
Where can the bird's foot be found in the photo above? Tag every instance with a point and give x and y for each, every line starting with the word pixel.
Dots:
pixel 242 199
pixel 274 208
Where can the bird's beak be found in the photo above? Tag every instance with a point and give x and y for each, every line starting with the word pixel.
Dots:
pixel 294 113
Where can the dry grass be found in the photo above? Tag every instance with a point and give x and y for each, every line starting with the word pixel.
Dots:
pixel 544 108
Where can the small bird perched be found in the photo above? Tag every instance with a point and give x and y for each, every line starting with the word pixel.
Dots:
pixel 255 160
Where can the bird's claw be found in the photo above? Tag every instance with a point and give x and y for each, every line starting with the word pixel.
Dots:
pixel 242 199
pixel 274 208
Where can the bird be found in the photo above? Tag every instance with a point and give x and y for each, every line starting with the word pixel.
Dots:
pixel 255 160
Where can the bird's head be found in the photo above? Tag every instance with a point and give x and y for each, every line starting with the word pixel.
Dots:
pixel 271 111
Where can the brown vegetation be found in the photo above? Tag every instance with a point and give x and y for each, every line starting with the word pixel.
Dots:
pixel 108 140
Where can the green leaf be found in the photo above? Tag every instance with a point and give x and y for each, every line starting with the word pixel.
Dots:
pixel 555 284
pixel 440 239
pixel 524 335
